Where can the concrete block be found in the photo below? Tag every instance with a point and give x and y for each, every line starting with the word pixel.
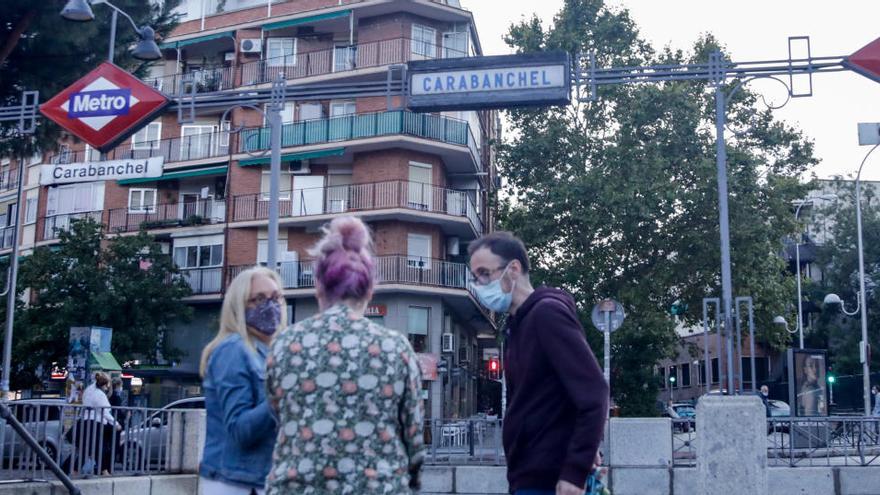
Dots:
pixel 800 481
pixel 180 484
pixel 194 425
pixel 481 479
pixel 139 485
pixel 640 481
pixel 640 442
pixel 732 447
pixel 858 480
pixel 684 481
pixel 95 486
pixel 437 479
pixel 26 489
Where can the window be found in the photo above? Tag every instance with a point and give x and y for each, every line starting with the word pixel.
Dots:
pixel 148 137
pixel 311 111
pixel 343 58
pixel 685 375
pixel 417 320
pixel 198 256
pixel 424 42
pixel 197 141
pixel 141 200
pixel 340 108
pixel 287 113
pixel 420 190
pixel 419 342
pixel 338 190
pixel 418 251
pixel 284 186
pixel 92 155
pixel 701 376
pixel 7 215
pixel 662 373
pixel 281 52
pixel 455 44
pixel 75 198
pixel 30 210
pixel 715 375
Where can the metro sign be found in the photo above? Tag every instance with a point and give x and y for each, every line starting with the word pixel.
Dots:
pixel 866 61
pixel 105 106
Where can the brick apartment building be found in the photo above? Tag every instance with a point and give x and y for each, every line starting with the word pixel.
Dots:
pixel 421 181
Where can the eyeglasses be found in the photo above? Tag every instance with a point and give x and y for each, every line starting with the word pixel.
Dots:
pixel 261 299
pixel 483 276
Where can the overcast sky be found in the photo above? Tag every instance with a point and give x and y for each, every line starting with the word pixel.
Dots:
pixel 752 30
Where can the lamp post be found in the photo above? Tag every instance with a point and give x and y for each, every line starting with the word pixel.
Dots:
pixel 797 254
pixel 835 300
pixel 146 48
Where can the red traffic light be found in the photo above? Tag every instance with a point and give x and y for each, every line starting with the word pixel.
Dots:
pixel 493 364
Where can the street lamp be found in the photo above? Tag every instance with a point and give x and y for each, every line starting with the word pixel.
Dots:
pixel 797 251
pixel 779 320
pixel 146 48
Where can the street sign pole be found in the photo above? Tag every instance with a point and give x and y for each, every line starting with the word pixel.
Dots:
pixel 607 334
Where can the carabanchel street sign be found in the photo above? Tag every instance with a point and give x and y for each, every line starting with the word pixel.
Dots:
pixel 110 170
pixel 473 83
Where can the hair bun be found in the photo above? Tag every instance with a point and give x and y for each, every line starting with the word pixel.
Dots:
pixel 352 233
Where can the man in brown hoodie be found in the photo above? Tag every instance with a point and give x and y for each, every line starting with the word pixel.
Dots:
pixel 557 397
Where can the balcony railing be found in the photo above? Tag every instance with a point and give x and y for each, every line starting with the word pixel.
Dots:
pixel 363 126
pixel 204 280
pixel 337 59
pixel 359 198
pixel 194 147
pixel 54 224
pixel 6 234
pixel 391 269
pixel 8 179
pixel 200 212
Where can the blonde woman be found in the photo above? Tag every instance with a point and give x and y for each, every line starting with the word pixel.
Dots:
pixel 241 427
pixel 347 390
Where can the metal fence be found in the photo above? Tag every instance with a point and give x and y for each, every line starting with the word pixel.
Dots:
pixel 464 441
pixel 831 441
pixel 85 442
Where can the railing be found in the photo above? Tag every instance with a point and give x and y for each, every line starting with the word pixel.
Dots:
pixel 361 126
pixel 83 443
pixel 193 147
pixel 54 224
pixel 198 81
pixel 199 212
pixel 466 441
pixel 830 441
pixel 358 198
pixel 204 280
pixel 8 179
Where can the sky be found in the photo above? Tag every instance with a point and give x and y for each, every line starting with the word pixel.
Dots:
pixel 752 30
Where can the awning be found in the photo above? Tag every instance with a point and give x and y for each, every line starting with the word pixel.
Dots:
pixel 306 20
pixel 292 157
pixel 104 361
pixel 180 174
pixel 200 39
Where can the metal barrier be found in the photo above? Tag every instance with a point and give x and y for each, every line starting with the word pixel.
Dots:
pixel 791 442
pixel 86 442
pixel 465 441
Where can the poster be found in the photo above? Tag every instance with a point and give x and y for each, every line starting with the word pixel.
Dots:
pixel 428 365
pixel 807 382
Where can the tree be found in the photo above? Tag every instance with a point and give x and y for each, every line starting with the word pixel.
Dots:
pixel 125 283
pixel 39 50
pixel 835 331
pixel 617 197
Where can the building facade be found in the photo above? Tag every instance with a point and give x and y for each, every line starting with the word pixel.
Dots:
pixel 422 182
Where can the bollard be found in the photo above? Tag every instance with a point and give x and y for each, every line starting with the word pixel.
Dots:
pixel 732 445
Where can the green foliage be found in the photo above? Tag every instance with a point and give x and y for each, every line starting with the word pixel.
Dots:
pixel 52 53
pixel 89 280
pixel 837 332
pixel 617 197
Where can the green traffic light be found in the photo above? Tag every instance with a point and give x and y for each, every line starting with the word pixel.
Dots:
pixel 831 378
pixel 672 379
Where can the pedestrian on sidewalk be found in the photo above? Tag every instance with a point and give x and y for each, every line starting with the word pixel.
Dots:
pixel 104 426
pixel 347 390
pixel 241 427
pixel 875 392
pixel 557 397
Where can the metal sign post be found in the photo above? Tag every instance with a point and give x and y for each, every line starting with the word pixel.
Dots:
pixel 608 316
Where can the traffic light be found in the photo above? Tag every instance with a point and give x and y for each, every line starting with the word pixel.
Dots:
pixel 494 368
pixel 672 380
pixel 830 377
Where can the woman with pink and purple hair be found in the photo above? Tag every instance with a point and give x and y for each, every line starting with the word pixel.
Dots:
pixel 347 391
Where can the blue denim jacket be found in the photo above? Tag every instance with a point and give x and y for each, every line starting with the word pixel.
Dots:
pixel 241 428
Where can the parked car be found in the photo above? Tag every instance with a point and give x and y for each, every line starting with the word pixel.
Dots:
pixel 150 435
pixel 42 418
pixel 683 411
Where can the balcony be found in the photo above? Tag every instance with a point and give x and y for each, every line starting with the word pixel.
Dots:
pixel 333 60
pixel 365 126
pixel 179 149
pixel 6 234
pixel 8 179
pixel 168 215
pixel 359 198
pixel 53 225
pixel 204 280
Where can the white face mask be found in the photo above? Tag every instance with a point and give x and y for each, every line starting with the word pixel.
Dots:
pixel 493 297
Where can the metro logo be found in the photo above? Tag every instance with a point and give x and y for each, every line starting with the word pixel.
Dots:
pixel 105 106
pixel 99 103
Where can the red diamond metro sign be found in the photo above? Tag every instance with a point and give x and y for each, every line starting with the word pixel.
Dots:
pixel 105 106
pixel 866 61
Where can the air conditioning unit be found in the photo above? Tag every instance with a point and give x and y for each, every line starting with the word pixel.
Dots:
pixel 446 343
pixel 299 167
pixel 251 45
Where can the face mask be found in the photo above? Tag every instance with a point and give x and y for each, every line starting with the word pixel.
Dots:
pixel 265 318
pixel 493 297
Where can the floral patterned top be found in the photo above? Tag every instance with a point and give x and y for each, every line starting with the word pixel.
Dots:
pixel 347 393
